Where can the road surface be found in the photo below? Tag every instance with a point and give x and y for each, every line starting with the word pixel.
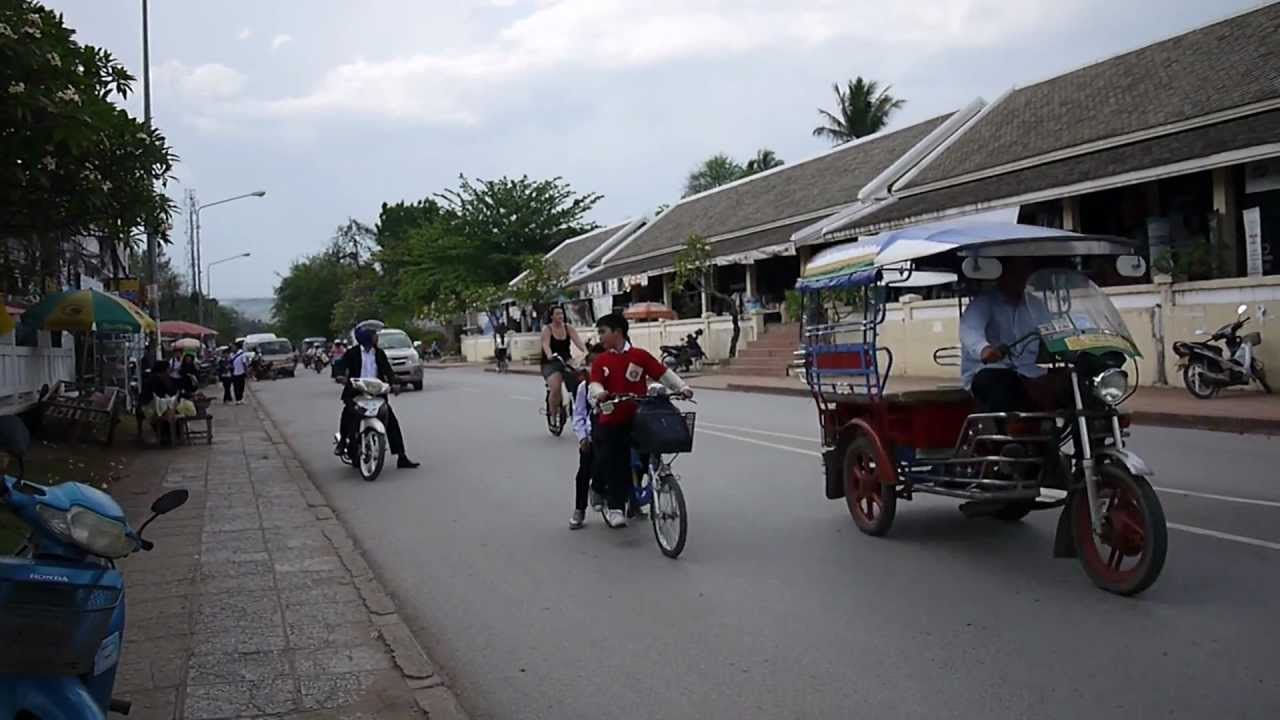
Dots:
pixel 779 607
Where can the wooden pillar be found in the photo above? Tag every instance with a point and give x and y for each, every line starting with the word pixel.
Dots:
pixel 1228 210
pixel 1071 213
pixel 753 280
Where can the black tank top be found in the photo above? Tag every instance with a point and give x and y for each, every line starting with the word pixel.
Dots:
pixel 559 348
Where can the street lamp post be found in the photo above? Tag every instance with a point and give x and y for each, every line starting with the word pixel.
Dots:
pixel 153 293
pixel 195 244
pixel 208 271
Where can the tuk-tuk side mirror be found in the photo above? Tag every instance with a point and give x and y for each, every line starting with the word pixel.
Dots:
pixel 981 268
pixel 1131 266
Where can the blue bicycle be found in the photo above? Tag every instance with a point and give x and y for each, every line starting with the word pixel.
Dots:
pixel 660 433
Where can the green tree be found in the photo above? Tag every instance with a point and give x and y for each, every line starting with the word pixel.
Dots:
pixel 862 108
pixel 305 299
pixel 765 159
pixel 484 234
pixel 695 271
pixel 717 170
pixel 76 164
pixel 541 283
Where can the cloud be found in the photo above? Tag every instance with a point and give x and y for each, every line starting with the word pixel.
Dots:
pixel 207 82
pixel 280 41
pixel 244 34
pixel 555 36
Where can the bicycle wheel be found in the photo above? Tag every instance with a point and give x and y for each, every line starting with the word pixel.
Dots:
pixel 668 515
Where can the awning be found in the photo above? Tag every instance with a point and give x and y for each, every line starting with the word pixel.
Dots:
pixel 182 328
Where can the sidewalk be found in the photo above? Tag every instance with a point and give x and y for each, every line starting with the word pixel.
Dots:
pixel 1232 411
pixel 255 601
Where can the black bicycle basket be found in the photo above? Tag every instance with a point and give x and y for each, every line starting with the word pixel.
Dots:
pixel 52 628
pixel 660 427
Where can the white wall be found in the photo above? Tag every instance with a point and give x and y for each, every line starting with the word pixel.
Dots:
pixel 23 370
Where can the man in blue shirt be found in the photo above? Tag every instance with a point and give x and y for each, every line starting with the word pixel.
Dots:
pixel 1003 378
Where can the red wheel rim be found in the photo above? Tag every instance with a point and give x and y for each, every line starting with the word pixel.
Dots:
pixel 867 500
pixel 1118 553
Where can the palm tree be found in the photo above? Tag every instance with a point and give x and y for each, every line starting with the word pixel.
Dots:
pixel 765 159
pixel 863 108
pixel 715 171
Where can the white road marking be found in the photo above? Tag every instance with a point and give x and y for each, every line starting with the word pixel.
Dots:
pixel 1225 498
pixel 703 423
pixel 464 388
pixel 522 397
pixel 1225 536
pixel 1175 526
pixel 761 442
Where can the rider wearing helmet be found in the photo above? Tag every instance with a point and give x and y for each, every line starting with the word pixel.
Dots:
pixel 366 360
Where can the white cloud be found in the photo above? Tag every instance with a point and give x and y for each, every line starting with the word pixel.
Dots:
pixel 202 83
pixel 280 41
pixel 244 34
pixel 455 86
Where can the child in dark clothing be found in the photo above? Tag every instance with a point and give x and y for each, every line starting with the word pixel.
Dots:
pixel 583 424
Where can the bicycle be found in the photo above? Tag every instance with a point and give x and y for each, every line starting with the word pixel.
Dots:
pixel 660 430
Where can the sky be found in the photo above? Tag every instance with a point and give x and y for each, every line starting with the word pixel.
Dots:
pixel 335 106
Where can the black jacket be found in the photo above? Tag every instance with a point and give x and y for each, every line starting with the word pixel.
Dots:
pixel 351 362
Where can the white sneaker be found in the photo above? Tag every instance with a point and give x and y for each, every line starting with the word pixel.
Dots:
pixel 615 519
pixel 597 502
pixel 578 520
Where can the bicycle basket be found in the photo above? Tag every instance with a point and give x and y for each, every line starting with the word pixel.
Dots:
pixel 659 427
pixel 53 628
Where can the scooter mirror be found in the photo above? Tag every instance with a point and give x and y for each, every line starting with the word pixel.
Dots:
pixel 169 501
pixel 1242 309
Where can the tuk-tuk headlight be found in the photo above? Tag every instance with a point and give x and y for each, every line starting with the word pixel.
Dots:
pixel 1110 386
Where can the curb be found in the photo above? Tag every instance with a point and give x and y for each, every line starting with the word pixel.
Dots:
pixel 429 687
pixel 1150 418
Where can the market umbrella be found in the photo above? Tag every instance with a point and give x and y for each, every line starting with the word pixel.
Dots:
pixel 649 311
pixel 82 310
pixel 184 328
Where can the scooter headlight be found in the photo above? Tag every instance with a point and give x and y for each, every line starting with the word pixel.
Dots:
pixel 1111 386
pixel 99 535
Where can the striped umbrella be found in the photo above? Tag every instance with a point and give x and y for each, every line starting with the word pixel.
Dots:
pixel 80 310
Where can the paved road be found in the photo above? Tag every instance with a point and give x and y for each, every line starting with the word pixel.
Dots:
pixel 779 607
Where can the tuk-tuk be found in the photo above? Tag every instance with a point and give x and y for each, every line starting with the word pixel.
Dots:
pixel 881 446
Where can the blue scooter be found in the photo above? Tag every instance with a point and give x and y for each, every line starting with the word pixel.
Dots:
pixel 62 600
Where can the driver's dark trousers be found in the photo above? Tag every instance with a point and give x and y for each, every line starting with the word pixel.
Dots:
pixel 999 390
pixel 612 445
pixel 350 423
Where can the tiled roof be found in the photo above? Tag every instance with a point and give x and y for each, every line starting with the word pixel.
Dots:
pixel 1246 132
pixel 1228 64
pixel 803 188
pixel 571 251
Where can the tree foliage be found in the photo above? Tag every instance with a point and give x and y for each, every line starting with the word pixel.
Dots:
pixel 721 169
pixel 306 297
pixel 862 108
pixel 541 283
pixel 76 164
pixel 695 271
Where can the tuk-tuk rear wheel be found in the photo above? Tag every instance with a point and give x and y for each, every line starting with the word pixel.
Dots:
pixel 871 501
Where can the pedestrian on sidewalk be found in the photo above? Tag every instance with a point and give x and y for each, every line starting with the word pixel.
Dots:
pixel 583 426
pixel 225 375
pixel 239 371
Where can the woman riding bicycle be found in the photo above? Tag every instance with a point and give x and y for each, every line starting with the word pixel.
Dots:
pixel 558 337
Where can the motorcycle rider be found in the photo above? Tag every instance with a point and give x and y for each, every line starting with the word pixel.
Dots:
pixel 620 370
pixel 366 360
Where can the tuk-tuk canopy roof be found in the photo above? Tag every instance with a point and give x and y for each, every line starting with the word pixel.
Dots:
pixel 900 257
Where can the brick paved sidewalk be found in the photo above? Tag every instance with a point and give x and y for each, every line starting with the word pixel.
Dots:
pixel 255 601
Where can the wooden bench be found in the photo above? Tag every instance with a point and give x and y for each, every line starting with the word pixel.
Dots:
pixel 89 410
pixel 195 426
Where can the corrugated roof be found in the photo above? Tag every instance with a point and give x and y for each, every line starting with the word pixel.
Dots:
pixel 803 188
pixel 1246 132
pixel 1225 65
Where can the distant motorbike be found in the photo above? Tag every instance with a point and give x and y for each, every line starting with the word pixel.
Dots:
pixel 319 362
pixel 366 449
pixel 1206 368
pixel 685 357
pixel 261 369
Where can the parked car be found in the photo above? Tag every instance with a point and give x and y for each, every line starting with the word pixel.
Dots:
pixel 404 358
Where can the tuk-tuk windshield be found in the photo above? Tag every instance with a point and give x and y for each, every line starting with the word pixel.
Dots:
pixel 1081 316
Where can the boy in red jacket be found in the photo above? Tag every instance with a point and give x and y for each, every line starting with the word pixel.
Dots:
pixel 621 370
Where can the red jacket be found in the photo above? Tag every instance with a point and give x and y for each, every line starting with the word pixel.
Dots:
pixel 624 373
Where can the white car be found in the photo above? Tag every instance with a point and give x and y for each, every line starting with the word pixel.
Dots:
pixel 404 358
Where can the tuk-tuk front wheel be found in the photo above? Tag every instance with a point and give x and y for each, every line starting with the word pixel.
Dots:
pixel 871 501
pixel 1129 553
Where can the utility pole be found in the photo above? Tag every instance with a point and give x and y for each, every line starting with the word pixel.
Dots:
pixel 153 289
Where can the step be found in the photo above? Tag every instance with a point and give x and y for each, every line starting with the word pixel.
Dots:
pixel 743 365
pixel 755 351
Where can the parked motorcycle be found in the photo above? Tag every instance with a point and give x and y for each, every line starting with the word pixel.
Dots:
pixel 62 601
pixel 685 357
pixel 1206 368
pixel 370 437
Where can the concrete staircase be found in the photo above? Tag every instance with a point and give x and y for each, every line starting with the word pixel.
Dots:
pixel 768 356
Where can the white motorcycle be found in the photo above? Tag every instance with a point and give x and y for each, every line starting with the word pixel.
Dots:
pixel 370 436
